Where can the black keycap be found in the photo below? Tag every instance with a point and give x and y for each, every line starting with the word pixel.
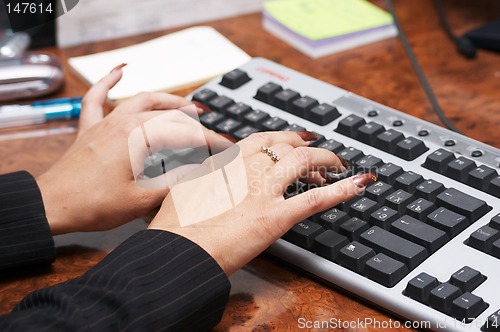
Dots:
pixel 220 103
pixel 459 168
pixel 495 249
pixel 420 208
pixel 420 287
pixel 408 181
pixel 450 222
pixel 238 111
pixel 284 99
pixel 467 307
pixel 323 114
pixel 481 176
pixel 354 256
pixel 378 191
pixel 363 208
pixel 353 228
pixel 294 189
pixel 294 127
pixel 492 323
pixel 318 141
pixel 303 234
pixel 273 124
pixel 228 126
pixel 388 139
pixel 234 79
pixel 162 167
pixel 383 217
pixel 494 187
pixel 204 96
pixel 244 132
pixel 429 189
pixel 368 163
pixel 410 148
pixel 302 106
pixel 467 279
pixel 385 270
pixel 350 124
pixel 346 205
pixel 483 238
pixel 350 154
pixel 368 132
pixel 439 160
pixel 389 172
pixel 495 222
pixel 328 244
pixel 394 246
pixel 399 200
pixel 211 119
pixel 442 296
pixel 464 204
pixel 332 145
pixel 267 91
pixel 255 117
pixel 332 219
pixel 418 232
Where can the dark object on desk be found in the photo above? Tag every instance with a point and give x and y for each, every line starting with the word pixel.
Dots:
pixel 32 75
pixel 486 37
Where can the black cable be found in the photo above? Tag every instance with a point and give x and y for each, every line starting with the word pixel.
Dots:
pixel 463 44
pixel 421 76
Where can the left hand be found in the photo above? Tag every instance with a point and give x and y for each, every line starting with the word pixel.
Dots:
pixel 93 186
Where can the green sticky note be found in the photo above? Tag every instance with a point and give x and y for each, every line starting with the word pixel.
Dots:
pixel 320 19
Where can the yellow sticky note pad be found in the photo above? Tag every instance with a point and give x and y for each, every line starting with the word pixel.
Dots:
pixel 320 19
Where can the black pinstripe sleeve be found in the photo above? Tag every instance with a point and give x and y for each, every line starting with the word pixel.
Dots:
pixel 154 281
pixel 25 237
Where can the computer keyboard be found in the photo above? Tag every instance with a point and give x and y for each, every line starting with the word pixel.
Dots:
pixel 423 242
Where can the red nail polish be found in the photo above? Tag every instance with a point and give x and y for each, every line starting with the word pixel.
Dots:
pixel 200 106
pixel 344 162
pixel 364 180
pixel 120 66
pixel 307 135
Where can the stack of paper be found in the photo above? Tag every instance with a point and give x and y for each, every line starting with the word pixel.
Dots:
pixel 172 62
pixel 321 27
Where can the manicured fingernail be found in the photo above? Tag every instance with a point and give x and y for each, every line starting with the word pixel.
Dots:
pixel 307 135
pixel 364 180
pixel 120 66
pixel 201 108
pixel 344 162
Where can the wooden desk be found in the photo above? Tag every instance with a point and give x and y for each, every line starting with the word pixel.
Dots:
pixel 267 294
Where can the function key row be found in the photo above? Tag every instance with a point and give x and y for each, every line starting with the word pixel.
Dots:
pixel 292 102
pixel 464 170
pixel 376 135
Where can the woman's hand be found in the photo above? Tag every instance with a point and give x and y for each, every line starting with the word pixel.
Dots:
pixel 93 186
pixel 234 206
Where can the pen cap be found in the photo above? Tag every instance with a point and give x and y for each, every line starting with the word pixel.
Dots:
pixel 61 109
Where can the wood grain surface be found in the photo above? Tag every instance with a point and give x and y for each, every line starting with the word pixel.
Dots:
pixel 266 294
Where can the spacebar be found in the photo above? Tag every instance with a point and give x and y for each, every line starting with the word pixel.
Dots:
pixel 405 251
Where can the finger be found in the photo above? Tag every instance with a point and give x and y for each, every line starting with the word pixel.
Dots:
pixel 92 104
pixel 315 200
pixel 272 154
pixel 150 101
pixel 300 161
pixel 164 182
pixel 255 142
pixel 313 178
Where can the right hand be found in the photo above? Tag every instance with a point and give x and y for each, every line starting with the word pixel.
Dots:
pixel 255 214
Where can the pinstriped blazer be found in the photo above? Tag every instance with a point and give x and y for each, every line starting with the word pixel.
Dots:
pixel 154 281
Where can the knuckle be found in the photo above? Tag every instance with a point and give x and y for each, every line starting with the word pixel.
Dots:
pixel 303 155
pixel 313 199
pixel 259 138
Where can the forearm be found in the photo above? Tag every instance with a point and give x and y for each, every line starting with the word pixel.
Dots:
pixel 25 237
pixel 154 281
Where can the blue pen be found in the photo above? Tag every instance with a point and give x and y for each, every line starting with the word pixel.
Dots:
pixel 40 112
